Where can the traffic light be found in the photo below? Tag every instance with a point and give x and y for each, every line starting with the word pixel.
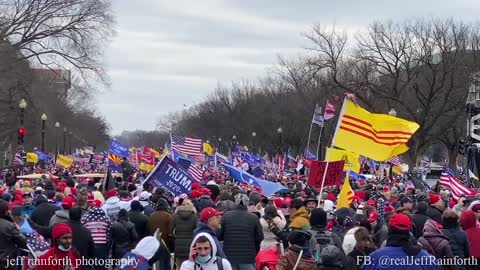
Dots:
pixel 21 134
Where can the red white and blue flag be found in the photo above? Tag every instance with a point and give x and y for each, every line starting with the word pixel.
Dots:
pixel 186 145
pixel 456 186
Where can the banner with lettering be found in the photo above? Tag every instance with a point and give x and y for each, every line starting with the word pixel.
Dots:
pixel 118 149
pixel 170 176
pixel 334 173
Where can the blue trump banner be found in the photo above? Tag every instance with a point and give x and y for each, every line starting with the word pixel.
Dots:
pixel 41 155
pixel 170 176
pixel 118 149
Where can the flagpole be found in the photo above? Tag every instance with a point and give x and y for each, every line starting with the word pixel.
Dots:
pixel 319 142
pixel 309 136
pixel 215 160
pixel 173 153
pixel 339 121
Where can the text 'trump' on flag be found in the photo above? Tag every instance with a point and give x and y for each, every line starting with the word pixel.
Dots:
pixel 377 136
pixel 187 146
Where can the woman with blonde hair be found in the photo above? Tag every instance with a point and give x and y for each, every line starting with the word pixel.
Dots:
pixel 97 195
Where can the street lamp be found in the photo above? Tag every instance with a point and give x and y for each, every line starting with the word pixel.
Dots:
pixel 280 131
pixel 234 140
pixel 253 141
pixel 70 139
pixel 22 105
pixel 44 119
pixel 392 112
pixel 64 140
pixel 57 125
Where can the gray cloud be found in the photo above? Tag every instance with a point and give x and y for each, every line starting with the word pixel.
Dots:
pixel 169 53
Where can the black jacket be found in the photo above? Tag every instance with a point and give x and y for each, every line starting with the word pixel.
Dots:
pixel 419 220
pixel 44 212
pixel 435 214
pixel 141 223
pixel 458 243
pixel 124 238
pixel 11 239
pixel 184 222
pixel 82 240
pixel 241 234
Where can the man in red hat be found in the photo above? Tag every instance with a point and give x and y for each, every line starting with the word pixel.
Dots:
pixel 399 248
pixel 112 205
pixel 436 208
pixel 62 252
pixel 210 221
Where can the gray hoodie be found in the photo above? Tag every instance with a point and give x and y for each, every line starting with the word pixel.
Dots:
pixel 61 216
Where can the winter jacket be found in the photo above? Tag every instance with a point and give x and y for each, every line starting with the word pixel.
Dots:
pixel 184 222
pixel 82 240
pixel 124 235
pixel 268 236
pixel 397 253
pixel 468 220
pixel 242 235
pixel 349 241
pixel 58 258
pixel 11 240
pixel 42 214
pixel 300 219
pixel 434 213
pixel 458 242
pixel 98 224
pixel 111 208
pixel 162 220
pixel 320 229
pixel 61 216
pixel 357 257
pixel 434 241
pixel 27 210
pixel 141 223
pixel 203 228
pixel 212 263
pixel 289 258
pixel 399 248
pixel 419 221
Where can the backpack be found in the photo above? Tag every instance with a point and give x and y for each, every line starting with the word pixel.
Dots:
pixel 321 239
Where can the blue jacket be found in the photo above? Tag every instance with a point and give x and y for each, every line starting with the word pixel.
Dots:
pixel 133 262
pixel 202 227
pixel 394 258
pixel 27 210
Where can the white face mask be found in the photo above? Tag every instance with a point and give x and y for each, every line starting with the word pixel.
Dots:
pixel 62 248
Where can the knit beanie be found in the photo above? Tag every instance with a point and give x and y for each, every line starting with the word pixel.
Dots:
pixel 318 217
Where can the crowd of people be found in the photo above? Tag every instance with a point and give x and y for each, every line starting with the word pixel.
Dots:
pixel 224 225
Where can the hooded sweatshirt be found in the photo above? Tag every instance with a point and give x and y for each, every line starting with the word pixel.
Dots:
pixel 55 253
pixel 468 221
pixel 111 208
pixel 434 241
pixel 212 263
pixel 61 216
pixel 98 224
pixel 137 259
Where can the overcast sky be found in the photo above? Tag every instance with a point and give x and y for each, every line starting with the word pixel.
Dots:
pixel 173 52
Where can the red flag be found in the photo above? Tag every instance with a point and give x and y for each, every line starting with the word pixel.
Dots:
pixel 334 173
pixel 329 112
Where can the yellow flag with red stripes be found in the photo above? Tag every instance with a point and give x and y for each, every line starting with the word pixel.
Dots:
pixel 376 136
pixel 345 198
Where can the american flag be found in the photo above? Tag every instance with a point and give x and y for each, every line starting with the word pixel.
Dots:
pixel 98 224
pixel 457 188
pixel 195 173
pixel 37 243
pixel 18 161
pixel 185 145
pixel 395 161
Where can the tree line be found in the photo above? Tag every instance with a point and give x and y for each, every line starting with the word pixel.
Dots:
pixel 423 69
pixel 50 56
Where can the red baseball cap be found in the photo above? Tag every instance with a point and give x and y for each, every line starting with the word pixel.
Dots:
pixel 209 212
pixel 68 202
pixel 401 222
pixel 112 193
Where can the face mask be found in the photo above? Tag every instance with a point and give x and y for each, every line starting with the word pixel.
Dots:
pixel 62 248
pixel 203 259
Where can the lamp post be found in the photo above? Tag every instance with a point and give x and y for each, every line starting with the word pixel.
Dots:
pixel 22 105
pixel 64 140
pixel 220 144
pixel 44 119
pixel 254 134
pixel 57 125
pixel 234 140
pixel 392 112
pixel 279 132
pixel 70 139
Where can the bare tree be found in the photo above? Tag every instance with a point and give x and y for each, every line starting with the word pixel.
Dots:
pixel 58 33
